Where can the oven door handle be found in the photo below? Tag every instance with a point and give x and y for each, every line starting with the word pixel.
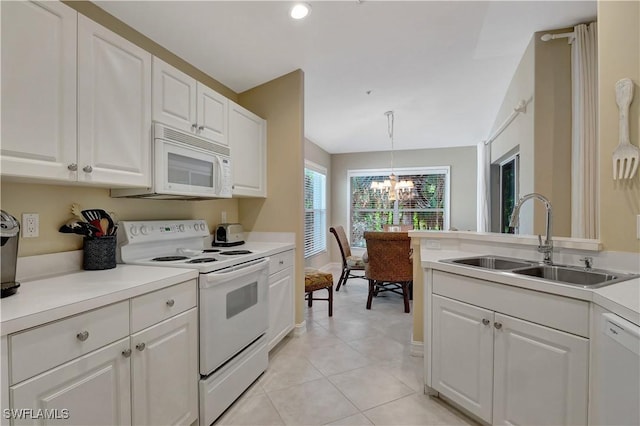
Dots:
pixel 215 278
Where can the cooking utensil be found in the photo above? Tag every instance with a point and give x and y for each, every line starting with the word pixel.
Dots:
pixel 98 214
pixel 79 228
pixel 104 225
pixel 76 210
pixel 625 156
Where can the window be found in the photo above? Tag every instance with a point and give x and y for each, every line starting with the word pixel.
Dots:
pixel 315 209
pixel 424 207
pixel 508 191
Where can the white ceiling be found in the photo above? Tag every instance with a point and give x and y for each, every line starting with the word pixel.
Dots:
pixel 442 66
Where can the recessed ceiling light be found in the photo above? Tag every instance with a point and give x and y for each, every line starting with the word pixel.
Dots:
pixel 300 10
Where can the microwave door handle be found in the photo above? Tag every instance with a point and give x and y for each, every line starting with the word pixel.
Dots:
pixel 219 177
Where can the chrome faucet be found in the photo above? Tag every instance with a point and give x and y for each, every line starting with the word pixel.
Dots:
pixel 547 247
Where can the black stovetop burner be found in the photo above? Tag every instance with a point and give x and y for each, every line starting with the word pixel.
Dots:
pixel 211 251
pixel 202 260
pixel 169 258
pixel 235 252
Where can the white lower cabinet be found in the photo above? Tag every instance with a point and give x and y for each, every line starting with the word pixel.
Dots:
pixel 507 370
pixel 281 297
pixel 164 372
pixel 91 390
pixel 102 375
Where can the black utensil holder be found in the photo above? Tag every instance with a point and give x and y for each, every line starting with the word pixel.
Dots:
pixel 99 253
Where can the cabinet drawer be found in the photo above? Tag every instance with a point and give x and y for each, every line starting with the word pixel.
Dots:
pixel 154 307
pixel 559 312
pixel 38 349
pixel 280 261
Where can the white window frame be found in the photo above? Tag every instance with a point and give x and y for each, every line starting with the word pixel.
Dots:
pixel 310 165
pixel 446 170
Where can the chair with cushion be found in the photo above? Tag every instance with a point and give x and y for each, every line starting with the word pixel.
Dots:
pixel 349 262
pixel 317 280
pixel 389 265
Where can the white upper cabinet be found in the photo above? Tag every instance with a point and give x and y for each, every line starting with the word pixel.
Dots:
pixel 186 104
pixel 114 114
pixel 248 144
pixel 76 99
pixel 38 89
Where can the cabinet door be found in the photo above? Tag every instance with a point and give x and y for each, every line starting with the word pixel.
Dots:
pixel 174 97
pixel 462 354
pixel 281 313
pixel 540 375
pixel 212 114
pixel 38 90
pixel 164 369
pixel 114 108
pixel 94 389
pixel 248 143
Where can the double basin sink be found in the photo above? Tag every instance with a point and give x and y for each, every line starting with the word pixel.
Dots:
pixel 563 274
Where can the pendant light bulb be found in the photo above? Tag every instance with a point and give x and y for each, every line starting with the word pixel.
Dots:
pixel 300 10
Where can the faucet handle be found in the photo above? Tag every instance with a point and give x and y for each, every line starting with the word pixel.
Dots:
pixel 539 240
pixel 588 261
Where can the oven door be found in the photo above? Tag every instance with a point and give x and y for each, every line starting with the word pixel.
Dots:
pixel 182 170
pixel 233 311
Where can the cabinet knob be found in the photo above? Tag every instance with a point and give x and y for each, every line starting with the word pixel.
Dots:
pixel 281 262
pixel 83 335
pixel 485 321
pixel 170 302
pixel 72 167
pixel 497 325
pixel 141 346
pixel 87 169
pixel 126 353
pixel 194 126
pixel 201 128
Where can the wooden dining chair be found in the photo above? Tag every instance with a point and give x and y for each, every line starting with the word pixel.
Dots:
pixel 388 265
pixel 349 261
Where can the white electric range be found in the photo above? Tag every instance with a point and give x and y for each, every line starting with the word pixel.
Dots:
pixel 233 291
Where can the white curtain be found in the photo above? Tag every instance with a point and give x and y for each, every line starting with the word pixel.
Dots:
pixel 484 163
pixel 584 75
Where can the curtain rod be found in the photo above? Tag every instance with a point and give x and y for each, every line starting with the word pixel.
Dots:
pixel 547 37
pixel 521 107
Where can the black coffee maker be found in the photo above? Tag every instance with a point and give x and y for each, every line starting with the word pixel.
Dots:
pixel 9 237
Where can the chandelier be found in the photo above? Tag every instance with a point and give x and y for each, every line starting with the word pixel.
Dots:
pixel 392 187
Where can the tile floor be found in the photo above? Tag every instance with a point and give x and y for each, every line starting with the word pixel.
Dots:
pixel 351 369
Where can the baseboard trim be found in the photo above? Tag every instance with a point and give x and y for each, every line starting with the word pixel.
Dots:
pixel 417 349
pixel 300 329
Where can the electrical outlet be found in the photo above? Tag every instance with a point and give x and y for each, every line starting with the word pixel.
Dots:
pixel 30 225
pixel 224 217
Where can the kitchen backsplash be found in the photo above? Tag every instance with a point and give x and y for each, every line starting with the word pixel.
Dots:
pixel 53 202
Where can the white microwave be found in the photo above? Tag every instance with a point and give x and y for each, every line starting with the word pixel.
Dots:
pixel 185 166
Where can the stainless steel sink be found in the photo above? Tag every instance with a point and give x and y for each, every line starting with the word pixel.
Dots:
pixel 592 278
pixel 491 262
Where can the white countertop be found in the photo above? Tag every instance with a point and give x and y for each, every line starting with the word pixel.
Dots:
pixel 621 298
pixel 43 300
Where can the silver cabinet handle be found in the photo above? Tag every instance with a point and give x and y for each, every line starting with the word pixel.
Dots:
pixel 87 169
pixel 485 321
pixel 194 126
pixel 281 262
pixel 170 302
pixel 83 335
pixel 141 346
pixel 497 325
pixel 201 128
pixel 73 167
pixel 126 353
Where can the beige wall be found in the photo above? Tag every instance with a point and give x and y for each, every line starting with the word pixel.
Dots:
pixel 53 204
pixel 281 103
pixel 542 134
pixel 618 57
pixel 463 180
pixel 317 155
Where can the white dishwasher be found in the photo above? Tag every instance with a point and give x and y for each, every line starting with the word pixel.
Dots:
pixel 618 359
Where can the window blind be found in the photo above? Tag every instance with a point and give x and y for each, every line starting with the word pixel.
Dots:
pixel 315 212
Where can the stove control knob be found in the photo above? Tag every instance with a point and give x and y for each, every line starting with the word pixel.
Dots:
pixel 133 230
pixel 203 226
pixel 144 230
pixel 181 228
